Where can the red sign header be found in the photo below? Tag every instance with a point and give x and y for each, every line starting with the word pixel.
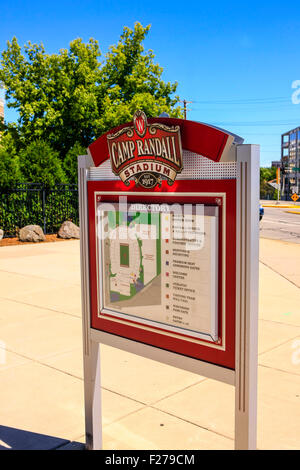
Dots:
pixel 146 152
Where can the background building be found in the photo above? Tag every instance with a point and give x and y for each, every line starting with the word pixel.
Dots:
pixel 1 108
pixel 290 163
pixel 276 163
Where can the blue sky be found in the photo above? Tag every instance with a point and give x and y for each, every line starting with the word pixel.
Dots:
pixel 235 61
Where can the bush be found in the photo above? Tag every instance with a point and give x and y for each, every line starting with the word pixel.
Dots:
pixel 41 164
pixel 10 172
pixel 70 164
pixel 35 204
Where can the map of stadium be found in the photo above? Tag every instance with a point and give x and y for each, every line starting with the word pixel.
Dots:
pixel 132 253
pixel 160 268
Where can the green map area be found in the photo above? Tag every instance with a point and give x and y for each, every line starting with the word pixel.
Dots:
pixel 133 252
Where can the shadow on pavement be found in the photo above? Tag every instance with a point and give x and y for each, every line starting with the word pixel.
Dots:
pixel 17 439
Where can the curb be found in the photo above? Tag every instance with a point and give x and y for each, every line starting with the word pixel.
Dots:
pixel 293 212
pixel 281 206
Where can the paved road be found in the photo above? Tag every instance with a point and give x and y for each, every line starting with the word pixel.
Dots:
pixel 278 224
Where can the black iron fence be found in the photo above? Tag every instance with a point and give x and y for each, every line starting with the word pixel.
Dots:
pixel 31 203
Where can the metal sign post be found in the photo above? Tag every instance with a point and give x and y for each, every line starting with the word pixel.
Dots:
pixel 208 327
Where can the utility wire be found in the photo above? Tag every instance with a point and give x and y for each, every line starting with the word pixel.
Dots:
pixel 262 107
pixel 256 123
pixel 280 99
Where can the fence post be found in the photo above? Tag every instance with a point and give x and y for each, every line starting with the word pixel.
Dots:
pixel 21 205
pixel 44 208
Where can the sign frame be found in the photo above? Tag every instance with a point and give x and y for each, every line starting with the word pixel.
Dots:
pixel 244 374
pixel 187 192
pixel 159 263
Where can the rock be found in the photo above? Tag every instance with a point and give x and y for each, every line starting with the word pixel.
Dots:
pixel 1 234
pixel 31 233
pixel 69 230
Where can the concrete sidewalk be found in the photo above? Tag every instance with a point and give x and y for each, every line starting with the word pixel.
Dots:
pixel 146 405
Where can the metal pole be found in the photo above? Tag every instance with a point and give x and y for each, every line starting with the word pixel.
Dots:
pixel 91 349
pixel 185 102
pixel 247 296
pixel 44 208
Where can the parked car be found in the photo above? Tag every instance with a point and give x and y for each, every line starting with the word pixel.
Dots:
pixel 261 212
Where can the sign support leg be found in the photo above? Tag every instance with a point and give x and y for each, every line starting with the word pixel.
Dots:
pixel 247 296
pixel 91 349
pixel 92 392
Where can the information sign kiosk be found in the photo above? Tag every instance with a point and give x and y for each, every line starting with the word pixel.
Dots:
pixel 169 213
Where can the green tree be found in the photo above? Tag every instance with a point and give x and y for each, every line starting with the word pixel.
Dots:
pixel 10 172
pixel 73 96
pixel 54 94
pixel 41 164
pixel 267 191
pixel 130 80
pixel 70 165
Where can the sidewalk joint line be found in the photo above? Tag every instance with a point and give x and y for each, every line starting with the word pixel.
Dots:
pixel 191 422
pixel 62 445
pixel 124 396
pixel 124 417
pixel 274 321
pixel 280 240
pixel 40 307
pixel 280 322
pixel 39 362
pixel 279 345
pixel 36 361
pixel 75 439
pixel 179 391
pixel 280 370
pixel 38 277
pixel 274 270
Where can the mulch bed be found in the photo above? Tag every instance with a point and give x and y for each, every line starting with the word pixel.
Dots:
pixel 49 239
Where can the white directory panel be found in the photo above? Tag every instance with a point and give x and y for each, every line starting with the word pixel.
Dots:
pixel 158 266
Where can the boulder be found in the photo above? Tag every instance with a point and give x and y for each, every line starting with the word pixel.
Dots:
pixel 69 230
pixel 1 234
pixel 31 233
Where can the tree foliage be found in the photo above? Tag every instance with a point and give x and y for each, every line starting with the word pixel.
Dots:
pixel 267 191
pixel 130 80
pixel 70 165
pixel 73 97
pixel 41 164
pixel 9 163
